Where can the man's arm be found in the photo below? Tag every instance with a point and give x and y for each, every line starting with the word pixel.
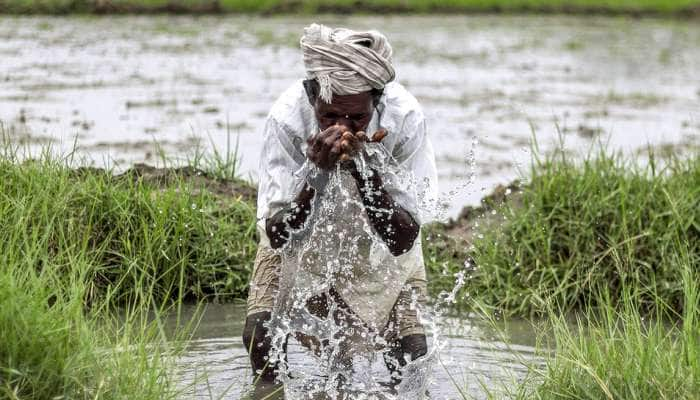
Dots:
pixel 397 228
pixel 292 217
pixel 399 224
pixel 323 150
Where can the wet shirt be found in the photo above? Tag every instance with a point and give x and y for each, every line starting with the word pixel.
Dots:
pixel 338 246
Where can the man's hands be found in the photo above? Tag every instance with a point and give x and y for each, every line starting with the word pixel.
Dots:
pixel 396 226
pixel 327 147
pixel 337 143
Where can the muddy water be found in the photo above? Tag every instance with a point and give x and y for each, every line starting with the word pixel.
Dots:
pixel 215 364
pixel 486 83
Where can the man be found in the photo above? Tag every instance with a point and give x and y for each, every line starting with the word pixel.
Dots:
pixel 319 131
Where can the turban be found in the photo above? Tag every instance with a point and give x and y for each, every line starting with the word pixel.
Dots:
pixel 346 62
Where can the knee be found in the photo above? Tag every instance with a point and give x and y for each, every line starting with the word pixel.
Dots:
pixel 254 332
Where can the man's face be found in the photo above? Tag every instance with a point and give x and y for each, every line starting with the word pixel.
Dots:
pixel 353 111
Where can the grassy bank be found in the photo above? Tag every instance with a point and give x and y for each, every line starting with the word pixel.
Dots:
pixel 52 348
pixel 186 234
pixel 617 353
pixel 605 239
pixel 60 335
pixel 577 228
pixel 144 233
pixel 635 7
pixel 614 240
pixel 88 259
pixel 612 351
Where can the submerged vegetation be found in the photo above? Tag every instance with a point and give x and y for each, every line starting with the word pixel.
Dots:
pixel 666 7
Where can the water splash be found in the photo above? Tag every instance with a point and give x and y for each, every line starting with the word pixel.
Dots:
pixel 338 289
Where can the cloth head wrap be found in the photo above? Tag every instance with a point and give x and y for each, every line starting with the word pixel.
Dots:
pixel 346 62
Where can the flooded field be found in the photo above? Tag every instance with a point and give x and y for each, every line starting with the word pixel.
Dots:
pixel 128 89
pixel 486 83
pixel 216 364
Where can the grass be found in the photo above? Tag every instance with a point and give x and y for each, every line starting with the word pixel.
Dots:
pixel 614 240
pixel 616 244
pixel 612 351
pixel 90 262
pixel 142 238
pixel 577 228
pixel 316 6
pixel 52 348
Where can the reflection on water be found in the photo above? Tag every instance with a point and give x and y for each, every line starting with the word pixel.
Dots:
pixel 215 364
pixel 122 82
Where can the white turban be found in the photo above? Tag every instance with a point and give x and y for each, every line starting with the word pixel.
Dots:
pixel 346 62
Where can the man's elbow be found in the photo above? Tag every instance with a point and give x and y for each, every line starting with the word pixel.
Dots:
pixel 276 233
pixel 404 242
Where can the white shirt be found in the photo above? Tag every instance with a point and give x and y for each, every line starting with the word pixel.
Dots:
pixel 338 246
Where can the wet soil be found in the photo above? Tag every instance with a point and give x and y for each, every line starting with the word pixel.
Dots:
pixel 197 179
pixel 472 219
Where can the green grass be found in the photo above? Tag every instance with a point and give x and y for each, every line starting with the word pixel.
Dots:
pixel 79 247
pixel 89 265
pixel 316 6
pixel 579 227
pixel 52 348
pixel 612 351
pixel 607 240
pixel 141 238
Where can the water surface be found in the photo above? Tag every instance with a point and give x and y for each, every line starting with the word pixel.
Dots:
pixel 486 84
pixel 215 363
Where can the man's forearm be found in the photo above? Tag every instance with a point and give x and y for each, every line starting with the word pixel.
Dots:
pixel 279 226
pixel 397 228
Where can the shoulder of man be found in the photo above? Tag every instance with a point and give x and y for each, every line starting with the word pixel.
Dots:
pixel 292 110
pixel 400 104
pixel 403 117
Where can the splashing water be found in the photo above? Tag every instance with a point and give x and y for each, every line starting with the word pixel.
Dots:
pixel 339 285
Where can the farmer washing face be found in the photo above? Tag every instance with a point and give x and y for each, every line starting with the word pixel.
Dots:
pixel 343 136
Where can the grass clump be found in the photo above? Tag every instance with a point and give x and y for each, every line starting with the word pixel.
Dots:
pixel 90 262
pixel 617 244
pixel 53 349
pixel 615 352
pixel 581 227
pixel 144 236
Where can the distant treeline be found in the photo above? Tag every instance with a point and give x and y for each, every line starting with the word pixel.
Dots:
pixel 630 7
